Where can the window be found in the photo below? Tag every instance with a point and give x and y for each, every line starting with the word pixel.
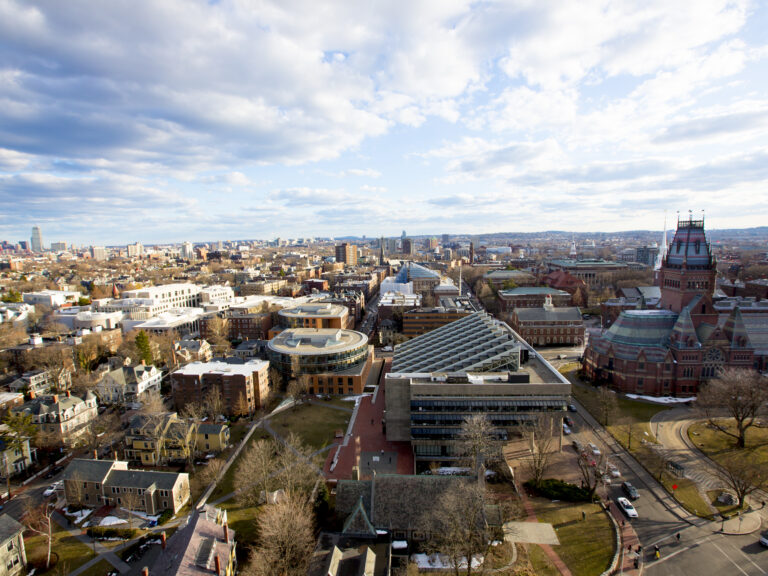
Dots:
pixel 10 545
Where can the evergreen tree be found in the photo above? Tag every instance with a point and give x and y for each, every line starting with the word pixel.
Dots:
pixel 144 348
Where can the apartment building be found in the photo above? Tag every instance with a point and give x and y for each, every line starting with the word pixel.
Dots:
pixel 243 388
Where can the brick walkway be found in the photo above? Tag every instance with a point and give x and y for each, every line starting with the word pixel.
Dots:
pixel 629 541
pixel 548 550
pixel 368 436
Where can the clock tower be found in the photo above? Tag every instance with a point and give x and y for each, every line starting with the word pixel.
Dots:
pixel 688 270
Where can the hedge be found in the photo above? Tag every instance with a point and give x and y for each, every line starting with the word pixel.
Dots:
pixel 558 490
pixel 111 532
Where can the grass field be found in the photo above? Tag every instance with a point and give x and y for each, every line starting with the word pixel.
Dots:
pixel 99 569
pixel 586 547
pixel 542 566
pixel 71 552
pixel 315 424
pixel 718 445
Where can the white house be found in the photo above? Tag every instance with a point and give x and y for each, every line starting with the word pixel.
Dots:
pixel 128 383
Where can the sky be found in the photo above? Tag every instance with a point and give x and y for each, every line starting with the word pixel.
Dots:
pixel 139 120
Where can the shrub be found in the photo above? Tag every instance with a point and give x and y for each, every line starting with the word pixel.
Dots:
pixel 555 489
pixel 111 532
pixel 164 517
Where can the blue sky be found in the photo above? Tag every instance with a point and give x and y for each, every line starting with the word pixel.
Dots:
pixel 166 121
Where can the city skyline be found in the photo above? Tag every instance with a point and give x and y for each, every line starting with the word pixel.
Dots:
pixel 199 120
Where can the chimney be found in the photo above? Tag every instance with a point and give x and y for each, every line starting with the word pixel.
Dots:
pixel 226 533
pixel 162 539
pixel 143 362
pixel 95 454
pixel 218 564
pixel 32 394
pixel 145 571
pixel 69 394
pixel 55 398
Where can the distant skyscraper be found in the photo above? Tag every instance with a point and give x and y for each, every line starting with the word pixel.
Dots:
pixel 58 246
pixel 446 239
pixel 135 250
pixel 471 252
pixel 407 246
pixel 36 242
pixel 187 251
pixel 403 235
pixel 381 251
pixel 98 252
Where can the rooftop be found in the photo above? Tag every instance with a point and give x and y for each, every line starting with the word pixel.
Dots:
pixel 324 309
pixel 200 368
pixel 533 290
pixel 310 341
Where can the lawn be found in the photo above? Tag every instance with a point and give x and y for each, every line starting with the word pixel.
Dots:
pixel 718 446
pixel 315 424
pixel 541 564
pixel 586 546
pixel 99 569
pixel 724 509
pixel 71 552
pixel 687 493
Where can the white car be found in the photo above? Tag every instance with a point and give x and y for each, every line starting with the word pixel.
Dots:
pixel 51 490
pixel 595 450
pixel 566 429
pixel 626 507
pixel 613 471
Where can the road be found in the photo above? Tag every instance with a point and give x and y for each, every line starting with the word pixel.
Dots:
pixel 702 549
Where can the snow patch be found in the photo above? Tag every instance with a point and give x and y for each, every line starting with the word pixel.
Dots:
pixel 78 516
pixel 111 521
pixel 142 515
pixel 399 544
pixel 451 471
pixel 442 562
pixel 661 399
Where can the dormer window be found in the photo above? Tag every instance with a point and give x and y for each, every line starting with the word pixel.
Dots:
pixel 697 246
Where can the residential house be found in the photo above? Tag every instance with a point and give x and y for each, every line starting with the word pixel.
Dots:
pixel 61 419
pixel 95 483
pixel 128 383
pixel 204 546
pixel 13 556
pixel 41 381
pixel 14 460
pixel 190 350
pixel 212 437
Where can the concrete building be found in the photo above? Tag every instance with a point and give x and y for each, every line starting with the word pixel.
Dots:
pixel 99 253
pixel 135 250
pixel 419 321
pixel 52 298
pixel 243 388
pixel 36 241
pixel 13 555
pixel 473 365
pixel 423 279
pixel 336 361
pixel 96 483
pixel 169 296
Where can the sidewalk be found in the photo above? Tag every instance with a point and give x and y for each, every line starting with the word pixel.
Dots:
pixel 629 543
pixel 548 550
pixel 742 524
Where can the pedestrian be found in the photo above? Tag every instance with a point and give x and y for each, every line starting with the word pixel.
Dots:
pixel 583 515
pixel 629 548
pixel 678 537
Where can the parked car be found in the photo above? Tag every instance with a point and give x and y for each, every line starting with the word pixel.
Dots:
pixel 626 507
pixel 613 471
pixel 630 490
pixel 595 450
pixel 566 429
pixel 51 490
pixel 764 538
pixel 578 446
pixel 568 420
pixel 572 408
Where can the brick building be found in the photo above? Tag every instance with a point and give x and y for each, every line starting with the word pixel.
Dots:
pixel 531 297
pixel 243 387
pixel 549 325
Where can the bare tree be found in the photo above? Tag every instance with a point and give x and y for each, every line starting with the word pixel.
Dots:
pixel 152 403
pixel 457 526
pixel 37 518
pixel 217 334
pixel 739 393
pixel 592 469
pixel 214 403
pixel 299 387
pixel 540 436
pixel 275 378
pixel 607 404
pixel 131 501
pixel 477 441
pixel 744 475
pixel 256 471
pixel 297 471
pixel 286 539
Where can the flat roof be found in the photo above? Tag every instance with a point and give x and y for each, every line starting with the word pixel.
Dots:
pixel 200 368
pixel 324 309
pixel 312 341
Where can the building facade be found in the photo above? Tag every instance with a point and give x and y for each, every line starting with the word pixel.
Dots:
pixel 346 253
pixel 549 325
pixel 531 297
pixel 672 350
pixel 61 419
pixel 13 555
